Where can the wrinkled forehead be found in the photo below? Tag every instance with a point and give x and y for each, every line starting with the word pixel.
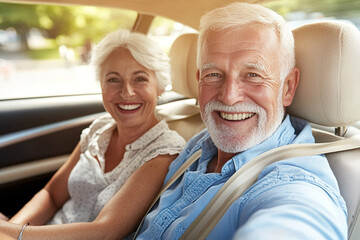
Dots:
pixel 236 34
pixel 248 38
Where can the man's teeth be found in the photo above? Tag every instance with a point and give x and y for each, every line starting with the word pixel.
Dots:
pixel 236 116
pixel 129 106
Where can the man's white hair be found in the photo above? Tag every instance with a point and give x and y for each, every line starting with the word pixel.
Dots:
pixel 145 51
pixel 238 14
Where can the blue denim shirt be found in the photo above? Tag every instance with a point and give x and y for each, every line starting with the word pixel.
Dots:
pixel 295 198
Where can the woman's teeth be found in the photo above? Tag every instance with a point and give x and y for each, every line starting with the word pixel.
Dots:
pixel 129 107
pixel 236 116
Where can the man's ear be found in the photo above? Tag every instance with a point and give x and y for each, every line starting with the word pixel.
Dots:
pixel 197 74
pixel 290 84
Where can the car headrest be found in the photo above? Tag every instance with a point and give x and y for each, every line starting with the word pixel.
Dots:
pixel 183 65
pixel 328 56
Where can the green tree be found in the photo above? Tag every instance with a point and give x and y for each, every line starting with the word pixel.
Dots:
pixel 56 20
pixel 20 17
pixel 70 25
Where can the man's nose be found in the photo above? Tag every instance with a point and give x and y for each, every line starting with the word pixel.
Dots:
pixel 127 90
pixel 231 91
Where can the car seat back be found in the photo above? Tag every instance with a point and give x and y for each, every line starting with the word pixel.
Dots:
pixel 184 115
pixel 327 55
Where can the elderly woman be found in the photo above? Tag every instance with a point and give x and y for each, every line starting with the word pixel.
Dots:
pixel 119 165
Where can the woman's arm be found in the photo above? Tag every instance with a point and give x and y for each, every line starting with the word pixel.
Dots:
pixel 119 217
pixel 42 207
pixel 126 209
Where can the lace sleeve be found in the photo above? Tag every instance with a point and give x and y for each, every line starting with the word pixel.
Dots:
pixel 170 142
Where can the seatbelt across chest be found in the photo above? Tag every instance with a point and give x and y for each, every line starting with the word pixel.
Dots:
pixel 247 175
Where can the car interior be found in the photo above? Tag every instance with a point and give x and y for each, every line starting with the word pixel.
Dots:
pixel 327 96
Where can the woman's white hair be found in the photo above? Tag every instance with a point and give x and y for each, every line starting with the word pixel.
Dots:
pixel 144 50
pixel 237 14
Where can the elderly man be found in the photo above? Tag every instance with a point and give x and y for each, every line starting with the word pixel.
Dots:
pixel 247 76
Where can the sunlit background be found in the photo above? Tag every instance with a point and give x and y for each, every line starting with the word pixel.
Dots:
pixel 44 50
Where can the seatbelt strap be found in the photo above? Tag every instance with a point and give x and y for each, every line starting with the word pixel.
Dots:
pixel 195 156
pixel 247 175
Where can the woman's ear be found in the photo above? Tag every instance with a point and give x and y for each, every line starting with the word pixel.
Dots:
pixel 160 92
pixel 290 84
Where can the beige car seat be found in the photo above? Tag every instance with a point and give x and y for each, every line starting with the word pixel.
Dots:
pixel 328 96
pixel 183 116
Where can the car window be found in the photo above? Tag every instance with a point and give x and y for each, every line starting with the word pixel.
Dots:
pixel 300 12
pixel 165 31
pixel 49 56
pixel 44 49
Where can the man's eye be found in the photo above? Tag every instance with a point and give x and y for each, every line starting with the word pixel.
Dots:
pixel 253 75
pixel 212 77
pixel 254 78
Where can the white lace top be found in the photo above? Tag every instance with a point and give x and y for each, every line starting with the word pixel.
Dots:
pixel 89 187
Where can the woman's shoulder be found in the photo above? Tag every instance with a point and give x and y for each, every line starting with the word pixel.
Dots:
pixel 167 142
pixel 169 136
pixel 101 121
pixel 96 128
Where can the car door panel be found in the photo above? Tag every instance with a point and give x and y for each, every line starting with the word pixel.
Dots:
pixel 36 136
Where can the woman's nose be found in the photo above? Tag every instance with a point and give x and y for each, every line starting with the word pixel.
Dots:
pixel 127 90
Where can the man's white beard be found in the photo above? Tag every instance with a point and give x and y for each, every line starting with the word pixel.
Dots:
pixel 228 139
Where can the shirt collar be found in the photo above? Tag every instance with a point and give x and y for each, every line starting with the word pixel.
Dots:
pixel 148 136
pixel 284 135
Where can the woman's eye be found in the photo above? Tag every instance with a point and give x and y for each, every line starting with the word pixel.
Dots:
pixel 140 79
pixel 113 80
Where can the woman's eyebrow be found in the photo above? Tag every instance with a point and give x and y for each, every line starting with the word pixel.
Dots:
pixel 140 71
pixel 115 73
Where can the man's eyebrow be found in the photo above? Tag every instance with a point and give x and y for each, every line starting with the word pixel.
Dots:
pixel 207 66
pixel 257 66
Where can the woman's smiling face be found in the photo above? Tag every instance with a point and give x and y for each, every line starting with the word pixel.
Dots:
pixel 129 90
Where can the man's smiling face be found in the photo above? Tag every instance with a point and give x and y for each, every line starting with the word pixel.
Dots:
pixel 239 86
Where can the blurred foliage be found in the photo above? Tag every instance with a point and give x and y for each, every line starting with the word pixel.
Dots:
pixel 327 8
pixel 43 53
pixel 161 26
pixel 74 25
pixel 68 25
